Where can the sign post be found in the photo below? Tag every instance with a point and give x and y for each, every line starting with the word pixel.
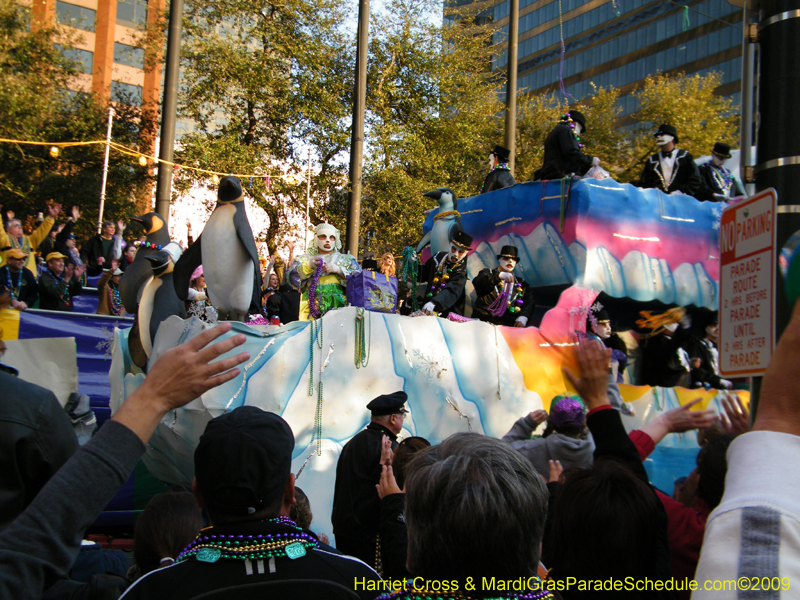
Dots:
pixel 747 285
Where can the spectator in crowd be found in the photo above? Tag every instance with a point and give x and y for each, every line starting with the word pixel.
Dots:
pixel 244 481
pixel 59 284
pixel 109 302
pixel 127 256
pixel 565 438
pixel 197 299
pixel 36 439
pixel 356 504
pixel 475 511
pixel 47 245
pixel 19 281
pixel 13 238
pixel 101 248
pixel 65 239
pixel 393 532
pixel 300 513
pixel 607 521
pixel 42 543
pixel 168 524
pixel 752 535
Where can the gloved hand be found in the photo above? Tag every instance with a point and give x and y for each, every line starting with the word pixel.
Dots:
pixel 595 161
pixel 506 276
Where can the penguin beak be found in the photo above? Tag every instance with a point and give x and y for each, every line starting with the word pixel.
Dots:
pixel 435 194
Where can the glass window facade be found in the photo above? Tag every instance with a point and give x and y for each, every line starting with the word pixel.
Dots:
pixel 126 93
pixel 75 16
pixel 131 12
pixel 82 58
pixel 128 55
pixel 643 40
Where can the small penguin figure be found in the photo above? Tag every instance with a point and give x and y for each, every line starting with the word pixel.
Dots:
pixel 159 299
pixel 445 224
pixel 138 272
pixel 227 251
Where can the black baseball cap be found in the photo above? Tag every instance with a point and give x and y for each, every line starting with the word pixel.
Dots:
pixel 243 460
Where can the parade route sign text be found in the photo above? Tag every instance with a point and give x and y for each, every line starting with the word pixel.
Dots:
pixel 747 284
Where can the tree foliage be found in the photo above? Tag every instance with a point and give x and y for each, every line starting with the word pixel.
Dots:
pixel 34 77
pixel 263 81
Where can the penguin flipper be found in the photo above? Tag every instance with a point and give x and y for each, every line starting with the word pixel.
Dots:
pixel 133 279
pixel 245 234
pixel 426 239
pixel 135 348
pixel 187 263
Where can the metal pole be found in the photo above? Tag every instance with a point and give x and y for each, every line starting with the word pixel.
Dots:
pixel 168 113
pixel 778 146
pixel 308 201
pixel 357 141
pixel 105 171
pixel 511 82
pixel 746 124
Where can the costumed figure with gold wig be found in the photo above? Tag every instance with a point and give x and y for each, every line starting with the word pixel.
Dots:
pixel 321 273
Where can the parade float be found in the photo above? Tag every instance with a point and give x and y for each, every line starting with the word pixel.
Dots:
pixel 583 236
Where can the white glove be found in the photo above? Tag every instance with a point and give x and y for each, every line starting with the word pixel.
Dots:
pixel 726 384
pixel 595 161
pixel 332 269
pixel 429 307
pixel 523 320
pixel 721 198
pixel 506 276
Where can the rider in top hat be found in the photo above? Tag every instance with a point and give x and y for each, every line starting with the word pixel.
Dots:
pixel 672 169
pixel 503 299
pixel 717 182
pixel 446 277
pixel 562 149
pixel 499 176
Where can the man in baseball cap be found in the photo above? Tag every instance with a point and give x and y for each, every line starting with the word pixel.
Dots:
pixel 58 285
pixel 243 479
pixel 19 281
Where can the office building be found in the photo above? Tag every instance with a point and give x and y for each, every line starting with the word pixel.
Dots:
pixel 619 43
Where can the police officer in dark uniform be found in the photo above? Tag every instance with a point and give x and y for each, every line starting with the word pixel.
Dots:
pixel 516 305
pixel 356 504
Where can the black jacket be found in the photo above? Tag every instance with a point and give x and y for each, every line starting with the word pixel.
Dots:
pixel 57 294
pixel 712 181
pixel 705 373
pixel 451 297
pixel 562 155
pixel 487 285
pixel 661 364
pixel 356 504
pixel 24 281
pixel 685 177
pixel 497 179
pixel 317 574
pixel 36 439
pixel 91 251
pixel 394 537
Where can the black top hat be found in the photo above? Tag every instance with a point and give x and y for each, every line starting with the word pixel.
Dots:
pixel 509 252
pixel 722 150
pixel 667 130
pixel 388 404
pixel 578 118
pixel 501 153
pixel 243 460
pixel 369 264
pixel 462 239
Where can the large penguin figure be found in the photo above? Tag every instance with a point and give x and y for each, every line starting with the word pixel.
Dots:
pixel 158 301
pixel 138 272
pixel 446 222
pixel 227 251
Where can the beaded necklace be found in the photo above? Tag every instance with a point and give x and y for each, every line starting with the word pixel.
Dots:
pixel 210 548
pixel 442 276
pixel 316 333
pixel 510 298
pixel 14 291
pixel 722 180
pixel 64 296
pixel 411 273
pixel 114 301
pixel 497 167
pixel 148 245
pixel 24 245
pixel 363 344
pixel 313 298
